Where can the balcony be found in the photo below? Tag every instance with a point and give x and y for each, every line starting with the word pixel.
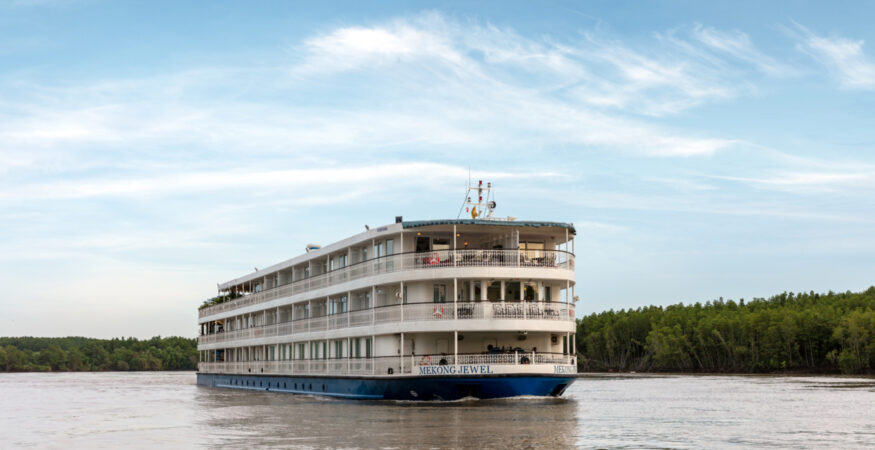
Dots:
pixel 399 314
pixel 405 261
pixel 435 364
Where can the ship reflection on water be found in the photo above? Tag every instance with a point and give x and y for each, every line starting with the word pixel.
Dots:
pixel 264 419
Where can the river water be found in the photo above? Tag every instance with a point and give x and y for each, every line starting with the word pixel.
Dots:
pixel 167 409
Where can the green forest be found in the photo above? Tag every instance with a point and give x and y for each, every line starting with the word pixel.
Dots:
pixel 804 332
pixel 40 354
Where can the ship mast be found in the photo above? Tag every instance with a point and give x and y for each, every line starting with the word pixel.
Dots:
pixel 479 201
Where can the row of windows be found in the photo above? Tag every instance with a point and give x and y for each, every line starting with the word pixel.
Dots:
pixel 358 348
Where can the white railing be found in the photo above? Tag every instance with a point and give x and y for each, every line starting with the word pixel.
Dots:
pixel 405 261
pixel 402 313
pixel 381 365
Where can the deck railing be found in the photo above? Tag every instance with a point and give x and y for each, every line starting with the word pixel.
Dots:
pixel 402 313
pixel 405 261
pixel 387 365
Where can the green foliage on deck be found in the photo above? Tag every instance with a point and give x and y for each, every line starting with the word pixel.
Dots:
pixel 805 332
pixel 40 354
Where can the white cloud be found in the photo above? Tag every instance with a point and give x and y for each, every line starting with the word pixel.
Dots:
pixel 739 45
pixel 307 183
pixel 844 58
pixel 809 179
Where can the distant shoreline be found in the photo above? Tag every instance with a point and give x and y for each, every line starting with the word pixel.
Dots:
pixel 81 354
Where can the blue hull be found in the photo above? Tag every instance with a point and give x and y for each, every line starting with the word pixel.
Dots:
pixel 398 388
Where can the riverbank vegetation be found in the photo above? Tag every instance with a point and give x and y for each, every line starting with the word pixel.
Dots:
pixel 80 354
pixel 805 332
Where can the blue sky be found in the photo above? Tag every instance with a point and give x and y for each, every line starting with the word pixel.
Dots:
pixel 150 150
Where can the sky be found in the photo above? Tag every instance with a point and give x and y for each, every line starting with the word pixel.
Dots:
pixel 150 150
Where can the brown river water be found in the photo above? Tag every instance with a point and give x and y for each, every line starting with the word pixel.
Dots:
pixel 167 409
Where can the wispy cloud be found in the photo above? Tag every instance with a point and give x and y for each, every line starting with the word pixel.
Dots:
pixel 739 45
pixel 820 180
pixel 305 182
pixel 842 57
pixel 425 81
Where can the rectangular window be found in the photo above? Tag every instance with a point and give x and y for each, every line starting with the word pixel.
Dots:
pixel 440 244
pixel 390 250
pixel 512 290
pixel 440 293
pixel 493 291
pixel 547 297
pixel 368 347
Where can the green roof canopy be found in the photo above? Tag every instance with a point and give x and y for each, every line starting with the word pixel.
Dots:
pixel 498 223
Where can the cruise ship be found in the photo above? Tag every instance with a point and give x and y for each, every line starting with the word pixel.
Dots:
pixel 415 310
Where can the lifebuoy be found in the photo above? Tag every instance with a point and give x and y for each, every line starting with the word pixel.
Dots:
pixel 524 360
pixel 438 311
pixel 425 360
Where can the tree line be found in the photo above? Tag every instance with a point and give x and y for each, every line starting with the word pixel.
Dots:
pixel 80 354
pixel 804 332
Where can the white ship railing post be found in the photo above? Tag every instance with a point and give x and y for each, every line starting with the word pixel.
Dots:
pixel 402 354
pixel 456 347
pixel 455 255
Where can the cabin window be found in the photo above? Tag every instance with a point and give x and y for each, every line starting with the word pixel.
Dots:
pixel 364 253
pixel 378 250
pixel 512 290
pixel 440 293
pixel 338 349
pixel 440 244
pixel 493 292
pixel 390 250
pixel 423 244
pixel 547 296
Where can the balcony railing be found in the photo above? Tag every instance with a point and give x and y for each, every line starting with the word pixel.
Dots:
pixel 387 365
pixel 400 314
pixel 405 261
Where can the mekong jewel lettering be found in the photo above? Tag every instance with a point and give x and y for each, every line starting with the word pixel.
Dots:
pixel 456 370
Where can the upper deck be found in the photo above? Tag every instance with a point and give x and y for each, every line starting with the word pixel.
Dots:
pixel 467 248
